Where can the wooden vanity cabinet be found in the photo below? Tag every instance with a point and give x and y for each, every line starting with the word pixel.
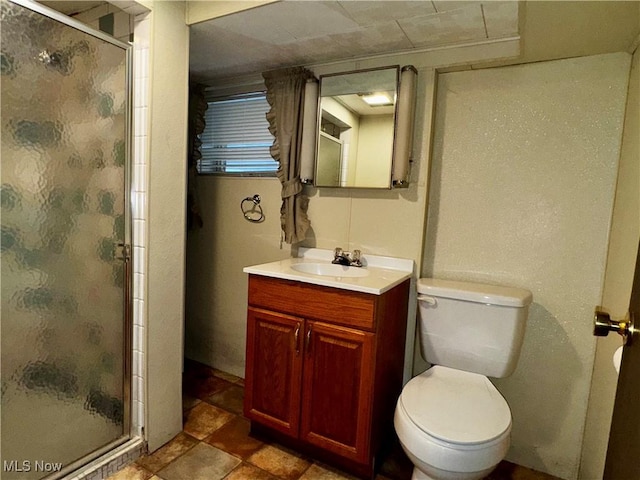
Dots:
pixel 324 366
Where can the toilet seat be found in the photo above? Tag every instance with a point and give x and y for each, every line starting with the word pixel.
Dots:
pixel 440 459
pixel 456 407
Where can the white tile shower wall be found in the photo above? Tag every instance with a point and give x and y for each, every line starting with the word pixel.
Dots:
pixel 139 187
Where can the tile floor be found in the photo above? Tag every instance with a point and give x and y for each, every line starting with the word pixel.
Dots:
pixel 215 444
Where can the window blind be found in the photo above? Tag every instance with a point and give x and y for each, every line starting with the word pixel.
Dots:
pixel 236 138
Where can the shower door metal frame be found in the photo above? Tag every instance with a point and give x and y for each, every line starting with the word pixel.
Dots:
pixel 127 247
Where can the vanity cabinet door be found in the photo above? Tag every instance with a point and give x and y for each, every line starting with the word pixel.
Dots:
pixel 274 369
pixel 338 389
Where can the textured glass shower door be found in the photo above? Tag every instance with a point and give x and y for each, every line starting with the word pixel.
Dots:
pixel 64 172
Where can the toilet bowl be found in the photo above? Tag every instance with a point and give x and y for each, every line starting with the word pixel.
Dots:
pixel 451 421
pixel 452 425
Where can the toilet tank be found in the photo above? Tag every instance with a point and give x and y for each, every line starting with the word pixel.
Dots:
pixel 471 326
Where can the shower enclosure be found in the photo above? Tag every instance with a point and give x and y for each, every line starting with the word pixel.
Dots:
pixel 65 326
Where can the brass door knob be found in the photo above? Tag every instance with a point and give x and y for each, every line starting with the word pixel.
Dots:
pixel 602 325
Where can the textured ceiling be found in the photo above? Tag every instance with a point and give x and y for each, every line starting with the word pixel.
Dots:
pixel 291 32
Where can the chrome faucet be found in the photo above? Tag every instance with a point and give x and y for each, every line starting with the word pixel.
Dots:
pixel 349 259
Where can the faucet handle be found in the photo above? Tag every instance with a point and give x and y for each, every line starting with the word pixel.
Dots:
pixel 356 255
pixel 337 252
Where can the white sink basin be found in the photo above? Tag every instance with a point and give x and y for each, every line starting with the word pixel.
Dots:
pixel 329 270
pixel 313 265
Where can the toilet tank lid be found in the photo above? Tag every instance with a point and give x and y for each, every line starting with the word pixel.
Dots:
pixel 475 292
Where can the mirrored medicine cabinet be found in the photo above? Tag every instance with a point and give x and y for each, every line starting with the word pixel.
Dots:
pixel 355 132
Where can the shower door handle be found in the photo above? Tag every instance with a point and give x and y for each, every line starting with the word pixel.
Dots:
pixel 123 251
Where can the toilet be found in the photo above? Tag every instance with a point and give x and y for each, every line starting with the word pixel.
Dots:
pixel 451 421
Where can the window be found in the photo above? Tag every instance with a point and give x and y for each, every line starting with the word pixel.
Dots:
pixel 236 138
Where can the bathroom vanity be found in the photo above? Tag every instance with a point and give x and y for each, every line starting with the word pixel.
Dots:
pixel 325 356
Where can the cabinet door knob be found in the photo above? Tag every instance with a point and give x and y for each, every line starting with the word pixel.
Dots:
pixel 296 336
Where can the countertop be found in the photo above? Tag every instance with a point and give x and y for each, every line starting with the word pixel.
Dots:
pixel 384 272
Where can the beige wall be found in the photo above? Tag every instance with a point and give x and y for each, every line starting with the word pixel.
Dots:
pixel 523 177
pixel 375 144
pixel 382 222
pixel 169 57
pixel 398 232
pixel 200 11
pixel 216 254
pixel 623 247
pixel 559 351
pixel 574 28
